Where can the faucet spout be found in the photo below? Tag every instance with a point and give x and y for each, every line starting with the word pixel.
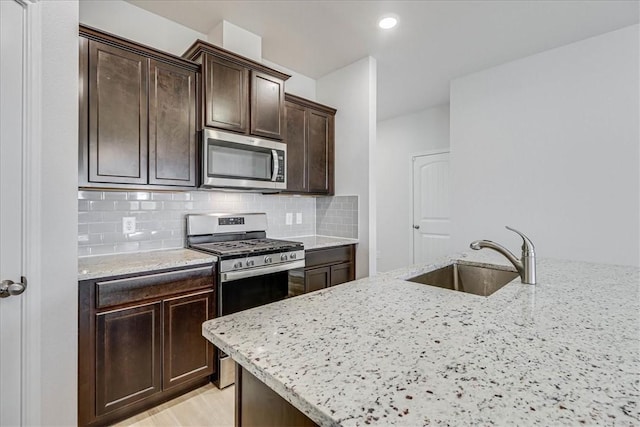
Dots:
pixel 526 265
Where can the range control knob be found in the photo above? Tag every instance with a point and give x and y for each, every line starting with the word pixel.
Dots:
pixel 250 263
pixel 237 264
pixel 268 260
pixel 292 255
pixel 283 257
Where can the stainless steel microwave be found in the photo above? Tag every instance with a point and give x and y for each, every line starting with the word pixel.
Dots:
pixel 242 162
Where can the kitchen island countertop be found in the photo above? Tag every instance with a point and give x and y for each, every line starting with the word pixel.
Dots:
pixel 384 351
pixel 94 267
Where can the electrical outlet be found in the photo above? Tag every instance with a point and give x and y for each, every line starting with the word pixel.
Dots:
pixel 299 218
pixel 289 218
pixel 128 224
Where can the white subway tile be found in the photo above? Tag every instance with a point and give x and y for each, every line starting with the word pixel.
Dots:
pixel 102 227
pixel 138 195
pixel 160 196
pixel 115 195
pixel 127 247
pixel 102 205
pixel 90 195
pixel 103 249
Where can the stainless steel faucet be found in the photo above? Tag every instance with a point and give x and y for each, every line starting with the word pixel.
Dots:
pixel 526 265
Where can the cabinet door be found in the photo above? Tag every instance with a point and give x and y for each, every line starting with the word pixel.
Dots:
pixel 187 354
pixel 172 125
pixel 319 155
pixel 267 105
pixel 117 129
pixel 296 140
pixel 128 356
pixel 341 273
pixel 316 278
pixel 226 94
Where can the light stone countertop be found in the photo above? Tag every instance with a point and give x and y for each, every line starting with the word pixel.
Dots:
pixel 384 351
pixel 318 242
pixel 95 267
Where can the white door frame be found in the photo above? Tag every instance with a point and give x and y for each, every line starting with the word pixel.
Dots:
pixel 32 352
pixel 413 200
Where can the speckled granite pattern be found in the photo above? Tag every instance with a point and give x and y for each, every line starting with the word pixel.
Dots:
pixel 318 242
pixel 113 265
pixel 383 351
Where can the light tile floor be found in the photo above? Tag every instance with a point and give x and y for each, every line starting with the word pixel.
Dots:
pixel 204 407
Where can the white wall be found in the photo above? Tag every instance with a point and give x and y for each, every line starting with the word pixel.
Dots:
pixel 297 84
pixel 131 22
pixel 57 285
pixel 352 91
pixel 399 139
pixel 549 144
pixel 231 37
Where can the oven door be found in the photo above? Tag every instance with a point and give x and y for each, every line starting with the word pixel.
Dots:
pixel 245 289
pixel 238 161
pixel 242 290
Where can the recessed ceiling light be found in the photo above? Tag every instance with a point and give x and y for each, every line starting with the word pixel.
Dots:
pixel 387 22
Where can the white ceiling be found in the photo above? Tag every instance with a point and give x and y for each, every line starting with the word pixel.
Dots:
pixel 435 41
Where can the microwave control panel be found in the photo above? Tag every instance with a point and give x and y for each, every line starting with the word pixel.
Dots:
pixel 281 166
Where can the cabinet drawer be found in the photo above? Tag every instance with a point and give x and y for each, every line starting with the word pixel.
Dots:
pixel 152 286
pixel 335 255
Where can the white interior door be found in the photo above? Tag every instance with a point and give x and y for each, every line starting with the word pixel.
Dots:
pixel 12 137
pixel 431 216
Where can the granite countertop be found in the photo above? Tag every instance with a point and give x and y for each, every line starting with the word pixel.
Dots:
pixel 95 267
pixel 317 242
pixel 384 351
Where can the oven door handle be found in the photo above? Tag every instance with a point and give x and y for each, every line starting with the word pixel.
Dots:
pixel 260 271
pixel 275 164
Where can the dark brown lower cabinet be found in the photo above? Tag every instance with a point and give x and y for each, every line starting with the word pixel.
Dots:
pixel 183 317
pixel 140 341
pixel 324 268
pixel 258 405
pixel 342 273
pixel 316 278
pixel 128 356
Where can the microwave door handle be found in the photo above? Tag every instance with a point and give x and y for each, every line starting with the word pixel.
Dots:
pixel 276 165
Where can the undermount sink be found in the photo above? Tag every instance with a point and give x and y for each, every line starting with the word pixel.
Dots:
pixel 467 278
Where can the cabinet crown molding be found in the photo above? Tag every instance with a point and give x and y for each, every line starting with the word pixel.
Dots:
pixel 308 103
pixel 135 47
pixel 200 47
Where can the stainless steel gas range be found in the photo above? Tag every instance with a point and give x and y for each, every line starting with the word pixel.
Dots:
pixel 252 269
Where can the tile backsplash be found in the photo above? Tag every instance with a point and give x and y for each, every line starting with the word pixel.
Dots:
pixel 337 216
pixel 160 217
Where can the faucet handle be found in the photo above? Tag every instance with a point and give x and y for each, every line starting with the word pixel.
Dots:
pixel 527 245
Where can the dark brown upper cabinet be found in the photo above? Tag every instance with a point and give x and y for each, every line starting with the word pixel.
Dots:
pixel 310 146
pixel 172 125
pixel 138 115
pixel 226 86
pixel 239 94
pixel 267 105
pixel 117 115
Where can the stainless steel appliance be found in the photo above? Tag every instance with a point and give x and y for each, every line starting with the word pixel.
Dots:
pixel 242 162
pixel 252 270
